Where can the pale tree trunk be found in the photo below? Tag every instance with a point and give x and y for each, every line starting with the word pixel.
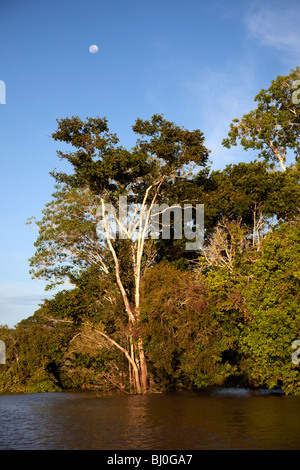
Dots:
pixel 258 226
pixel 278 155
pixel 145 214
pixel 134 374
pixel 143 366
pixel 254 226
pixel 131 360
pixel 138 363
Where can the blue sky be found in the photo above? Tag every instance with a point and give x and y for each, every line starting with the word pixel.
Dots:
pixel 199 63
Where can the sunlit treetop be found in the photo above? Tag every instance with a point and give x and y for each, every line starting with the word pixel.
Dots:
pixel 273 128
pixel 101 164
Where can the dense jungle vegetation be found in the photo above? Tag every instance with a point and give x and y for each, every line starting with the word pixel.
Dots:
pixel 143 314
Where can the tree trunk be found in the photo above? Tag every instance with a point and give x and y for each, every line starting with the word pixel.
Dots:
pixel 277 153
pixel 138 360
pixel 140 371
pixel 143 367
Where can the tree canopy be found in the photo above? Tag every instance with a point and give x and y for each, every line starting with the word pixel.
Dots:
pixel 273 128
pixel 139 313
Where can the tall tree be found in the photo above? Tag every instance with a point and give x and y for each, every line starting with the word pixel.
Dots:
pixel 273 128
pixel 142 176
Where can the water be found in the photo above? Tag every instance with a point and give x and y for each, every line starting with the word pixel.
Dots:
pixel 217 419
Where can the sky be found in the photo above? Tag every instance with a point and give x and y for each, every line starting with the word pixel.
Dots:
pixel 198 63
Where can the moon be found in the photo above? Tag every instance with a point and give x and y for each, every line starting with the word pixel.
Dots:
pixel 93 49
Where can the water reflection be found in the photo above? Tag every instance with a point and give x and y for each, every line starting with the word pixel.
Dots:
pixel 217 419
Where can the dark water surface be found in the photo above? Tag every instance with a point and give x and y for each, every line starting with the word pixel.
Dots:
pixel 219 419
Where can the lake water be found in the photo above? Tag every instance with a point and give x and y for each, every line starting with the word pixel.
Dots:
pixel 216 419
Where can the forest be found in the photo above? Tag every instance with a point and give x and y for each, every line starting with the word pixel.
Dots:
pixel 140 313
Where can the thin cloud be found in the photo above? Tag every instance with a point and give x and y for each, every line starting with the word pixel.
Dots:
pixel 22 299
pixel 21 294
pixel 19 301
pixel 217 97
pixel 276 25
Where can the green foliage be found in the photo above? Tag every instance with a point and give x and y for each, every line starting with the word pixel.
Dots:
pixel 68 242
pixel 249 194
pixel 226 314
pixel 274 312
pixel 189 340
pixel 273 127
pixel 54 350
pixel 106 168
pixel 199 328
pixel 30 348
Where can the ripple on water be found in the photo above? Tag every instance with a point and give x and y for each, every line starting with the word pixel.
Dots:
pixel 216 419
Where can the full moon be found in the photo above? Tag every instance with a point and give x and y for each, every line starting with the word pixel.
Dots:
pixel 93 49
